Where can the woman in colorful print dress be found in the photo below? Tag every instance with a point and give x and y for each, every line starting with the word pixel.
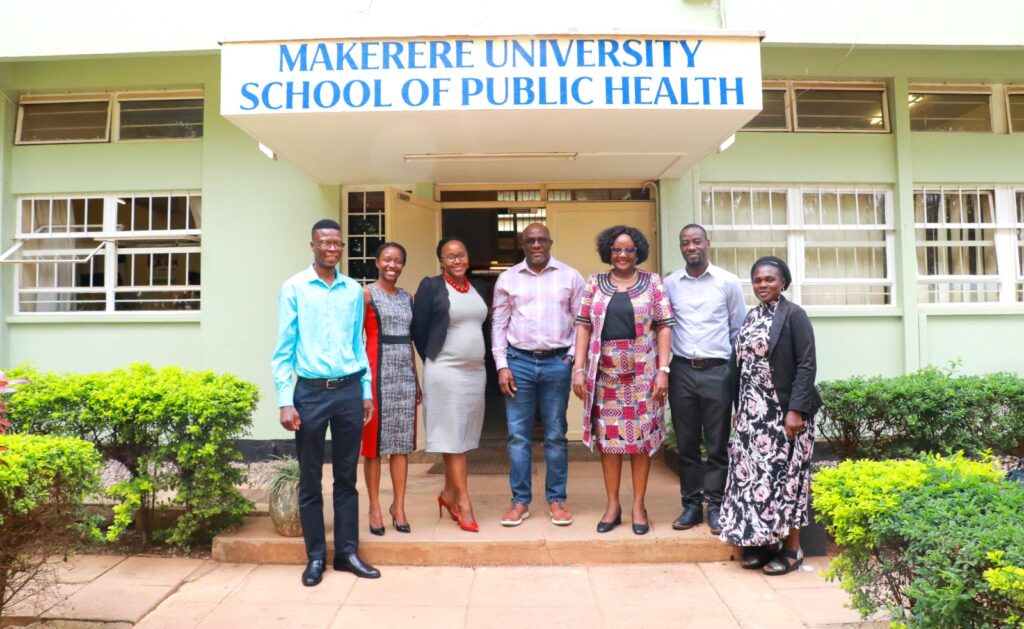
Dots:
pixel 769 458
pixel 623 337
pixel 391 431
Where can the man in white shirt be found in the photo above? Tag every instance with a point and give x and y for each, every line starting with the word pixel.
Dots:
pixel 709 310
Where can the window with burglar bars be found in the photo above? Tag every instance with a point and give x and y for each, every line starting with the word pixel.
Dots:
pixel 109 253
pixel 1019 203
pixel 956 245
pixel 838 241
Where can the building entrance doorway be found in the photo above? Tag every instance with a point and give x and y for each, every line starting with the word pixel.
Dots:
pixel 490 218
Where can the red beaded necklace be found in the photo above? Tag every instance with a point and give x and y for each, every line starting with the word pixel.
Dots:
pixel 459 289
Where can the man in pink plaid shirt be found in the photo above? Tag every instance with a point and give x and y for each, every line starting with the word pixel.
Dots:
pixel 532 333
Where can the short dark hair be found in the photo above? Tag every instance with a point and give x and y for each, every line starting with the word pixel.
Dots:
pixel 447 239
pixel 694 226
pixel 389 245
pixel 324 223
pixel 778 263
pixel 608 236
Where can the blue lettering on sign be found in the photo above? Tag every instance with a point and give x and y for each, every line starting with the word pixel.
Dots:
pixel 668 77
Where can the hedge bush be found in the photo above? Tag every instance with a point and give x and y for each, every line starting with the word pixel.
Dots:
pixel 43 482
pixel 931 410
pixel 938 542
pixel 172 428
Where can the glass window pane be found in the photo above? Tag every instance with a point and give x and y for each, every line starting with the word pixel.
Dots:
pixel 64 122
pixel 161 119
pixel 773 112
pixel 950 112
pixel 824 109
pixel 1016 103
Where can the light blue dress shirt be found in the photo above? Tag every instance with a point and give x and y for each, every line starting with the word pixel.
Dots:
pixel 709 312
pixel 320 333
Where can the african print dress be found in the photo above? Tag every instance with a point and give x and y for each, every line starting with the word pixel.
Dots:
pixel 619 415
pixel 769 476
pixel 392 429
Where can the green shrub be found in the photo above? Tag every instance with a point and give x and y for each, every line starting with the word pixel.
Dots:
pixel 931 410
pixel 939 542
pixel 43 481
pixel 173 429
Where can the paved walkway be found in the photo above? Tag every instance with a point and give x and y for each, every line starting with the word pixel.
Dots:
pixel 176 593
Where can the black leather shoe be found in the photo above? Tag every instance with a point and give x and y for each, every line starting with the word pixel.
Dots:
pixel 714 519
pixel 641 529
pixel 377 531
pixel 352 563
pixel 314 573
pixel 692 515
pixel 604 527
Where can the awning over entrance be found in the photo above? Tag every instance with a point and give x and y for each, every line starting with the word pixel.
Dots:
pixel 518 108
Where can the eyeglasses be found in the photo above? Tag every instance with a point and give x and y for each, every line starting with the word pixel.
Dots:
pixel 329 244
pixel 455 257
pixel 621 250
pixel 537 241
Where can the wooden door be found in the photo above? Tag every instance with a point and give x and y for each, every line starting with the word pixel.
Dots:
pixel 414 223
pixel 574 229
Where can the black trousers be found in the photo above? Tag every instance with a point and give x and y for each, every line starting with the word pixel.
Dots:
pixel 342 410
pixel 701 402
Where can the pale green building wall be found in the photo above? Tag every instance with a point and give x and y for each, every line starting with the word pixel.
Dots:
pixel 256 219
pixel 912 336
pixel 257 212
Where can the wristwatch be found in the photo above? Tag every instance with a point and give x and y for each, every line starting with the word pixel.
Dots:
pixel 665 368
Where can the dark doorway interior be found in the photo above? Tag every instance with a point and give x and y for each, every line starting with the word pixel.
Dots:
pixel 491 237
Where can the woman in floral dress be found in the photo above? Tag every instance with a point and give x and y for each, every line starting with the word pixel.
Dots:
pixel 773 440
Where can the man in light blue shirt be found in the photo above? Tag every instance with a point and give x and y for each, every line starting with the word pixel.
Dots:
pixel 319 340
pixel 708 305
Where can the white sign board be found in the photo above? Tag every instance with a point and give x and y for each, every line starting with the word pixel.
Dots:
pixel 493 73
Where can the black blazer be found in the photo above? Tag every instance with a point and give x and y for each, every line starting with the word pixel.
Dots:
pixel 430 316
pixel 791 357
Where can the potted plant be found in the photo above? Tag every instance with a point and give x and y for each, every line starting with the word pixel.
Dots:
pixel 283 486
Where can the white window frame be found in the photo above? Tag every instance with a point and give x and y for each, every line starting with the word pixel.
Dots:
pixel 113 100
pixel 796 241
pixel 1004 227
pixel 108 237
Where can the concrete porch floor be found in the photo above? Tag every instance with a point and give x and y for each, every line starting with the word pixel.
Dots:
pixel 438 541
pixel 114 592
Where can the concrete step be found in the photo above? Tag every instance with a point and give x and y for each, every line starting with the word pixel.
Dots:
pixel 438 541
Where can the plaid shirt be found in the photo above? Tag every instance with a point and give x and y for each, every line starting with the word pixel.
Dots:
pixel 535 311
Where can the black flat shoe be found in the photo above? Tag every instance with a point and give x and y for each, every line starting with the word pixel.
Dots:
pixel 692 515
pixel 715 519
pixel 314 573
pixel 352 563
pixel 604 527
pixel 755 557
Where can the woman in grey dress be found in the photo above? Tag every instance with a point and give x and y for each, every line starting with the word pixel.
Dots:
pixel 391 430
pixel 449 330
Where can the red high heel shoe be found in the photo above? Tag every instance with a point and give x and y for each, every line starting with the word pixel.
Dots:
pixel 442 504
pixel 466 525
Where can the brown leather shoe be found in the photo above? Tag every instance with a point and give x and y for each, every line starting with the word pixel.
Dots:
pixel 515 514
pixel 560 516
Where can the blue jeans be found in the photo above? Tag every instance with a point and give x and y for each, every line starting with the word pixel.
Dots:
pixel 541 385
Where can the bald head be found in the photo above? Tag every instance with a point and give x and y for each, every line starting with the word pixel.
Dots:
pixel 536 242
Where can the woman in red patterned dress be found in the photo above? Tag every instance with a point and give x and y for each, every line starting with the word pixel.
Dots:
pixel 623 338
